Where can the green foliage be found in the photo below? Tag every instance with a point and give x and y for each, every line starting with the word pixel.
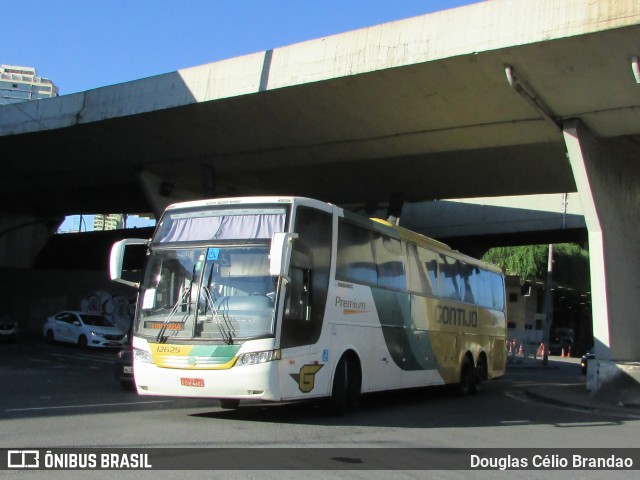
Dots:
pixel 570 263
pixel 529 262
pixel 571 266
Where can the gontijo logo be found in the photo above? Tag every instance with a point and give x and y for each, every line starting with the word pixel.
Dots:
pixel 350 307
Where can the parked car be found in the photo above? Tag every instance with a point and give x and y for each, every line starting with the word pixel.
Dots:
pixel 124 367
pixel 83 329
pixel 584 361
pixel 559 344
pixel 8 328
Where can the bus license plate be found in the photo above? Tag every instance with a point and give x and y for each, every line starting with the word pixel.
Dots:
pixel 192 382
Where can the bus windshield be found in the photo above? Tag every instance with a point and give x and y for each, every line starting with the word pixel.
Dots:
pixel 218 293
pixel 207 275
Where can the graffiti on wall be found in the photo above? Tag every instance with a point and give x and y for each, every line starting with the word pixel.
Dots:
pixel 114 306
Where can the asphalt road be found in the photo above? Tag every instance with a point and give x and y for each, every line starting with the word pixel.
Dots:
pixel 56 396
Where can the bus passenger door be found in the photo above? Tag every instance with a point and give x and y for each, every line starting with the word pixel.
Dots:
pixel 303 368
pixel 300 365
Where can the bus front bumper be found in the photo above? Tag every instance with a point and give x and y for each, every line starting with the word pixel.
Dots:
pixel 248 382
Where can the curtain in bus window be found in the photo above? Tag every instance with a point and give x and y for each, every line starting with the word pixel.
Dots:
pixel 220 227
pixel 484 296
pixel 424 270
pixel 355 261
pixel 417 277
pixel 468 283
pixel 449 278
pixel 390 263
pixel 497 290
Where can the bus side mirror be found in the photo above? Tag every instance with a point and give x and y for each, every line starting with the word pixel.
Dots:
pixel 280 253
pixel 117 257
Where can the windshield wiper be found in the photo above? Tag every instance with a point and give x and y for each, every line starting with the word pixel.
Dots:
pixel 225 327
pixel 184 298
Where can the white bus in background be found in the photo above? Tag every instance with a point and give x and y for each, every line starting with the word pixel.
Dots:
pixel 290 298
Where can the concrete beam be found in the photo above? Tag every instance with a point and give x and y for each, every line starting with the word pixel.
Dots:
pixel 494 215
pixel 160 192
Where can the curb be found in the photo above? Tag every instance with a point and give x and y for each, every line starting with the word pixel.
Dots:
pixel 621 410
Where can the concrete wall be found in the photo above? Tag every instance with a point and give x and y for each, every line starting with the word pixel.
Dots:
pixel 22 237
pixel 30 296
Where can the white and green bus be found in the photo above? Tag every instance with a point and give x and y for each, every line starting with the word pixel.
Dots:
pixel 283 299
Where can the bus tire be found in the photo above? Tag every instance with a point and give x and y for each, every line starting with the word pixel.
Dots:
pixel 467 377
pixel 480 374
pixel 229 404
pixel 354 382
pixel 339 392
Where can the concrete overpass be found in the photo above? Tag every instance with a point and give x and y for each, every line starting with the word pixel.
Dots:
pixel 496 98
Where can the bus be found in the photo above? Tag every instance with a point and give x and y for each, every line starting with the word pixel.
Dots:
pixel 290 298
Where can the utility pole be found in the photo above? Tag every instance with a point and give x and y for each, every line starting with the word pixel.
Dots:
pixel 548 307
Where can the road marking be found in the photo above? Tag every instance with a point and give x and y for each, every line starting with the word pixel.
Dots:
pixel 84 358
pixel 85 406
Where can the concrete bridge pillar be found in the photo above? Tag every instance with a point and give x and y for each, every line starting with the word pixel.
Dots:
pixel 23 236
pixel 609 189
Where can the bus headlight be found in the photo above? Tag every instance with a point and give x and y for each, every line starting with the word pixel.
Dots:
pixel 142 355
pixel 253 358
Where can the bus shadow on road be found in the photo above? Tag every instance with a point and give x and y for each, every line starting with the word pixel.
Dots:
pixel 421 408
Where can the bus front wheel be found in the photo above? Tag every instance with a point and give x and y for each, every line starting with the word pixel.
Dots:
pixel 346 386
pixel 229 404
pixel 338 400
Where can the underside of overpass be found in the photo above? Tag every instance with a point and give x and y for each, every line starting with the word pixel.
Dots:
pixel 496 98
pixel 344 118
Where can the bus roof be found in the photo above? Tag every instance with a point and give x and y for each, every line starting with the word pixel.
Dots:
pixel 376 223
pixel 245 201
pixel 389 228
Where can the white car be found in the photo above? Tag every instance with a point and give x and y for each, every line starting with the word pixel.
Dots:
pixel 83 329
pixel 8 328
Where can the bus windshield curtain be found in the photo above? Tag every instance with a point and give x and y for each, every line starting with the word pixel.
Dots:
pixel 223 227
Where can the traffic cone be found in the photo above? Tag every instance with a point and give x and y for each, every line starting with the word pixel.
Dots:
pixel 521 351
pixel 562 354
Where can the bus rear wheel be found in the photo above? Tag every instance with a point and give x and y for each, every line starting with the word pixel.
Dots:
pixel 480 374
pixel 467 383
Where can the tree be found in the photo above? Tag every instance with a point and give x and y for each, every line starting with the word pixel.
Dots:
pixel 530 263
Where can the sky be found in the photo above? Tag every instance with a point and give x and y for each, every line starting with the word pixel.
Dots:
pixel 85 44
